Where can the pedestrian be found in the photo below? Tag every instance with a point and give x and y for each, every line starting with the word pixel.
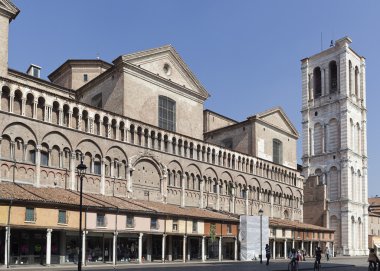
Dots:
pixel 327 253
pixel 267 252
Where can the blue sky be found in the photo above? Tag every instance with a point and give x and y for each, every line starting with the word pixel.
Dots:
pixel 246 53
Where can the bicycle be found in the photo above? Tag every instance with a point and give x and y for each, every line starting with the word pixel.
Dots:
pixel 317 266
pixel 293 265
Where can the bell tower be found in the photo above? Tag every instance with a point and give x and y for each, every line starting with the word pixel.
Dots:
pixel 335 141
pixel 8 12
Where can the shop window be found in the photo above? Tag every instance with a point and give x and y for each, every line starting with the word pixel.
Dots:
pixel 85 77
pixel 130 221
pixel 175 225
pixel 229 229
pixel 100 220
pixel 30 215
pixel 283 232
pixel 195 226
pixel 153 223
pixel 62 217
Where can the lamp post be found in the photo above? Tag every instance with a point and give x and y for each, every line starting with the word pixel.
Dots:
pixel 81 172
pixel 261 234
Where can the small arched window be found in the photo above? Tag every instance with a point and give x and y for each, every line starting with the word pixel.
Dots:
pixel 317 82
pixel 356 81
pixel 333 77
pixel 166 113
pixel 277 151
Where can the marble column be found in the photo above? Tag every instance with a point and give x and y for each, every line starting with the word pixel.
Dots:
pixel 184 248
pixel 220 249
pixel 48 247
pixel 163 248
pixel 140 247
pixel 203 248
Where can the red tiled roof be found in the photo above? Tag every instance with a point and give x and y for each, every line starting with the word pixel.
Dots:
pixel 277 222
pixel 47 195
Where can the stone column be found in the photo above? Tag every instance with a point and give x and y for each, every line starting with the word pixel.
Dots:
pixel 163 248
pixel 103 177
pixel 332 250
pixel 79 124
pixel 203 248
pixel 236 249
pixel 311 249
pixel 60 116
pixel 7 246
pixel 274 249
pixel 11 102
pixel 220 249
pixel 201 193
pixel 183 193
pixel 285 248
pixel 114 248
pixel 218 196
pixel 140 247
pixel 246 201
pixel 271 205
pixel 233 200
pixel 23 104
pixel 35 109
pixel 302 245
pixel 48 247
pixel 293 244
pixel 38 165
pixel 70 115
pixel 84 247
pixel 184 248
pixel 72 171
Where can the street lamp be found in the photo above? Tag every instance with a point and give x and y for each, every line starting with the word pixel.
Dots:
pixel 81 172
pixel 261 234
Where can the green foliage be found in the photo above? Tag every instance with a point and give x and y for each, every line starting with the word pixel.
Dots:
pixel 213 232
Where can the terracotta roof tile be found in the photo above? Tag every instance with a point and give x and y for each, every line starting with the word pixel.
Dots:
pixel 296 225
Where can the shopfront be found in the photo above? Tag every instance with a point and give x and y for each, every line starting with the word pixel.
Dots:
pixel 228 248
pixel 29 247
pixel 127 247
pixel 99 247
pixel 195 248
pixel 212 249
pixel 72 247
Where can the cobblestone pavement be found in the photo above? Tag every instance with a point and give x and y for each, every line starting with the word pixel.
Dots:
pixel 339 264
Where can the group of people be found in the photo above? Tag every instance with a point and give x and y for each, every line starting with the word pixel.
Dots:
pixel 296 255
pixel 299 255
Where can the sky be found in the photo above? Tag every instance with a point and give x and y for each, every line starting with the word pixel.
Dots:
pixel 245 53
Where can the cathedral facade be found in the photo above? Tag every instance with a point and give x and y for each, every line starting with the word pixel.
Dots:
pixel 166 179
pixel 335 145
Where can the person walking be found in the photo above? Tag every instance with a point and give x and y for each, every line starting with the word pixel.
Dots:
pixel 267 253
pixel 327 254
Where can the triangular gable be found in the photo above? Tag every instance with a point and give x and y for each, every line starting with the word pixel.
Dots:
pixel 8 9
pixel 166 62
pixel 278 118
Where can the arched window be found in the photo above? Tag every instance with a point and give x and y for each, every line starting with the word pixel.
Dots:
pixel 317 138
pixel 317 82
pixel 333 77
pixel 356 81
pixel 277 151
pixel 166 113
pixel 350 77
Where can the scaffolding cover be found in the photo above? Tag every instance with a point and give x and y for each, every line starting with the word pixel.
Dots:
pixel 249 237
